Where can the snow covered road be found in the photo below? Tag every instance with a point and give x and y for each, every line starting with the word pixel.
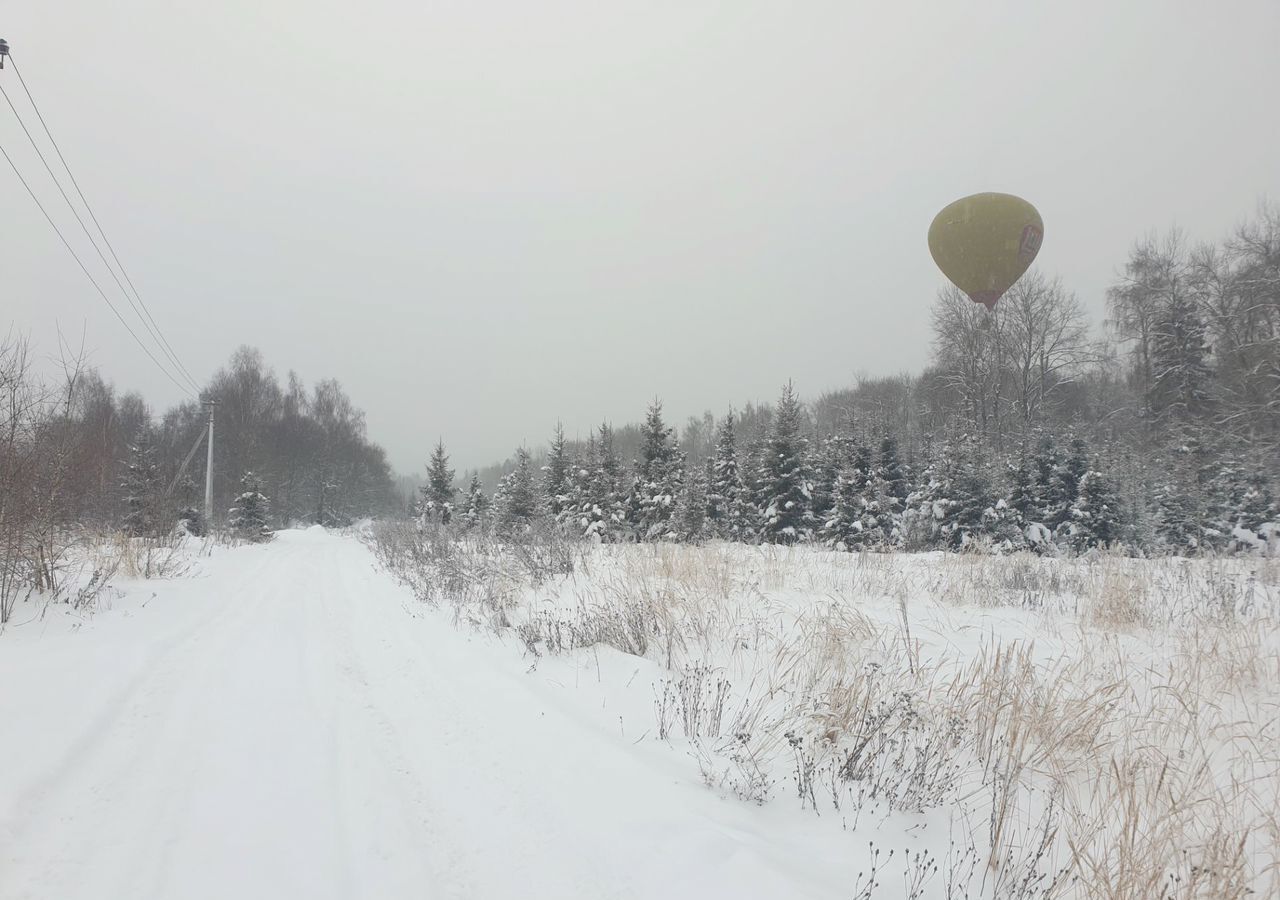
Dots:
pixel 290 723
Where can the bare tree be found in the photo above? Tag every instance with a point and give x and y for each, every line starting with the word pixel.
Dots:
pixel 1046 342
pixel 1237 292
pixel 969 351
pixel 1154 277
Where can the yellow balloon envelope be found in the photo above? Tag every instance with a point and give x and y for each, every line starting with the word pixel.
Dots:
pixel 984 243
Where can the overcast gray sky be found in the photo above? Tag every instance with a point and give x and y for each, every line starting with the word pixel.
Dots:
pixel 482 217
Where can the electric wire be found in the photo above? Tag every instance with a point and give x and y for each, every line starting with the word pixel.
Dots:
pixel 151 328
pixel 101 231
pixel 89 275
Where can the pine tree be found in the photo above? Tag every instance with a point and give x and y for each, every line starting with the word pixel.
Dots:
pixel 834 455
pixel 658 474
pixel 690 518
pixel 1067 479
pixel 843 528
pixel 1177 526
pixel 141 485
pixel 476 506
pixel 1050 501
pixel 891 469
pixel 928 505
pixel 785 476
pixel 1238 506
pixel 970 513
pixel 1257 506
pixel 882 516
pixel 728 508
pixel 600 511
pixel 752 469
pixel 517 501
pixel 1016 511
pixel 248 518
pixel 1095 514
pixel 1022 494
pixel 575 512
pixel 439 492
pixel 556 480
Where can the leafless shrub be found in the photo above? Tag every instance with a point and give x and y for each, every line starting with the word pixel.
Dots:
pixel 544 552
pixel 158 557
pixel 1158 662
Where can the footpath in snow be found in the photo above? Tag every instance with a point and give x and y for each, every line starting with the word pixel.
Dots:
pixel 289 723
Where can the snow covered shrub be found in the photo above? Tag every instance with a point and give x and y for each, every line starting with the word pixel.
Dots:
pixel 163 557
pixel 191 521
pixel 696 700
pixel 543 551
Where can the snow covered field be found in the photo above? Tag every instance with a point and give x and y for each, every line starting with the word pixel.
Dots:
pixel 293 720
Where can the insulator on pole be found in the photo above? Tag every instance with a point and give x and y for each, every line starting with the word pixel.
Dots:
pixel 4 51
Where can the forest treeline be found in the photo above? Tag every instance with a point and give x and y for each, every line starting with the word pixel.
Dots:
pixel 1031 426
pixel 76 453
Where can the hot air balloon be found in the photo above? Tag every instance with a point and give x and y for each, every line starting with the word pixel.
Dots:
pixel 984 243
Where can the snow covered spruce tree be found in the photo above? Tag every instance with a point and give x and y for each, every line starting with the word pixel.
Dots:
pixel 439 492
pixel 1021 499
pixel 1256 508
pixel 475 506
pixel 577 490
pixel 970 515
pixel 142 490
pixel 597 507
pixel 1067 480
pixel 1177 529
pixel 248 518
pixel 690 518
pixel 891 470
pixel 927 506
pixel 785 477
pixel 832 457
pixel 556 481
pixel 843 528
pixel 1019 525
pixel 885 495
pixel 1050 500
pixel 658 474
pixel 728 506
pixel 1095 514
pixel 517 503
pixel 1239 510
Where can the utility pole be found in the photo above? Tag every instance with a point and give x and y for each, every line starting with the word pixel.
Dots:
pixel 208 469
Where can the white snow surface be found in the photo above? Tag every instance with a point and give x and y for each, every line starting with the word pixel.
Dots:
pixel 291 723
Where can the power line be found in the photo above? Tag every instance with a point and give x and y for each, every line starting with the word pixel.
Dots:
pixel 153 330
pixel 89 275
pixel 92 215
